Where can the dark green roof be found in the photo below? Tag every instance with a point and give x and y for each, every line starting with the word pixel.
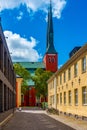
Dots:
pixel 32 65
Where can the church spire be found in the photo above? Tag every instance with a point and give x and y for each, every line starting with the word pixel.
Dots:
pixel 50 41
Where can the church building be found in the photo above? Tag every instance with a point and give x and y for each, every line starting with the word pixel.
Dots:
pixel 50 62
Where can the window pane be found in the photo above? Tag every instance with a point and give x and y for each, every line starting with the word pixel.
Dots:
pixel 69 74
pixel 84 96
pixel 64 97
pixel 84 64
pixel 70 97
pixel 60 98
pixel 76 96
pixel 57 98
pixel 75 69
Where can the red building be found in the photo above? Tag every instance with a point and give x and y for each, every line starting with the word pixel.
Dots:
pixel 50 62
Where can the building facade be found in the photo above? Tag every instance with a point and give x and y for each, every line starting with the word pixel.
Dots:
pixel 67 88
pixel 7 80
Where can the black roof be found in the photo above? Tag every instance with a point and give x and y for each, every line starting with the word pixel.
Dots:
pixel 75 49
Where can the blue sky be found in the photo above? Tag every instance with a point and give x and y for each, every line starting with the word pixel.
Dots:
pixel 24 22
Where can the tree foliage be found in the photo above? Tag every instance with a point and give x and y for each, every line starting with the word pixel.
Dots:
pixel 40 79
pixel 22 72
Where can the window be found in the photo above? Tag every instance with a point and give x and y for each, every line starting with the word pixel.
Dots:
pixel 84 64
pixel 64 98
pixel 49 59
pixel 64 77
pixel 84 96
pixel 70 97
pixel 53 99
pixel 61 79
pixel 57 98
pixel 69 73
pixel 53 59
pixel 76 96
pixel 75 69
pixel 60 98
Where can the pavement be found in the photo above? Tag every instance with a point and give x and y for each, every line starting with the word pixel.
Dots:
pixel 34 120
pixel 77 124
pixel 69 121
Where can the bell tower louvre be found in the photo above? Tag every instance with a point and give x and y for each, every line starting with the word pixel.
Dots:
pixel 50 58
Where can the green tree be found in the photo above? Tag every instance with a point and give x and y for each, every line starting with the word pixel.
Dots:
pixel 40 79
pixel 22 72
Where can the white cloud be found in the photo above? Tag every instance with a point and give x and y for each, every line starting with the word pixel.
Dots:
pixel 20 48
pixel 58 7
pixel 60 66
pixel 35 5
pixel 19 17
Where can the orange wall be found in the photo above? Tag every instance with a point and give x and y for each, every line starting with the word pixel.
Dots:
pixel 18 91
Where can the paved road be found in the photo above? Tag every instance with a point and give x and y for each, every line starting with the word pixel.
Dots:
pixel 34 121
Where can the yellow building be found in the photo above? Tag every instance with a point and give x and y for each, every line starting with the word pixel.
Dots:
pixel 67 88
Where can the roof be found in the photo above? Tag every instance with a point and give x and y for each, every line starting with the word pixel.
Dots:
pixel 75 49
pixel 32 65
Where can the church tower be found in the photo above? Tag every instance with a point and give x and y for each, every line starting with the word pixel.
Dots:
pixel 50 58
